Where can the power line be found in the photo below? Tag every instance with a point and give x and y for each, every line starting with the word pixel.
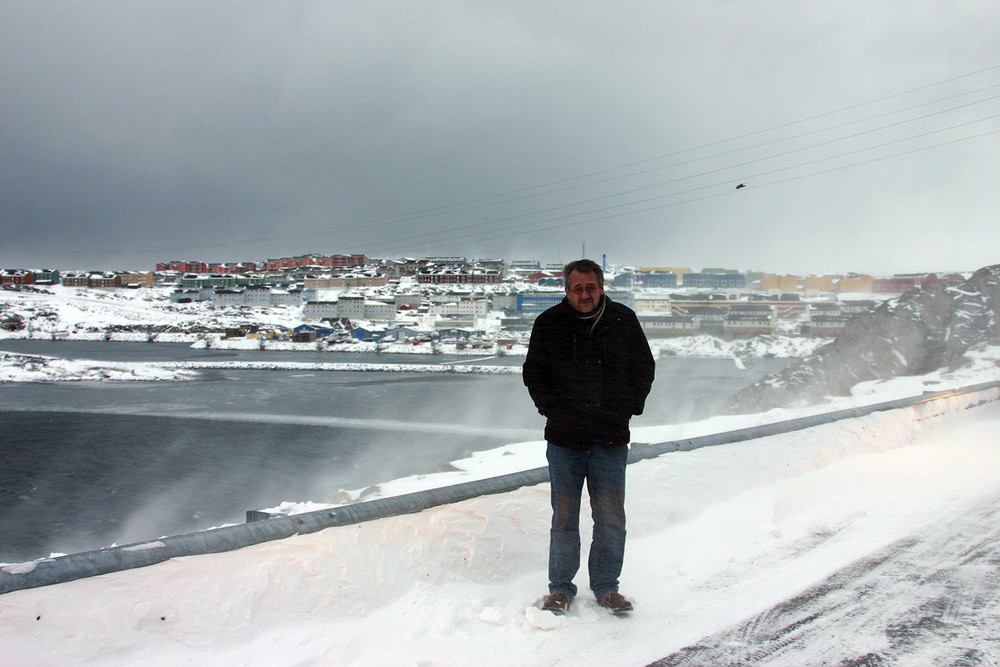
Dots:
pixel 579 181
pixel 520 195
pixel 563 221
pixel 730 167
pixel 448 242
pixel 727 140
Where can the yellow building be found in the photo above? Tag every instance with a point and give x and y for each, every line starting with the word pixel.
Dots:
pixel 818 284
pixel 856 284
pixel 774 283
pixel 138 278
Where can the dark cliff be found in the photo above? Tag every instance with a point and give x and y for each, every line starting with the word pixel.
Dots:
pixel 919 332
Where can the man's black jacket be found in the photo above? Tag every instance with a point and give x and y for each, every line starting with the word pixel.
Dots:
pixel 588 384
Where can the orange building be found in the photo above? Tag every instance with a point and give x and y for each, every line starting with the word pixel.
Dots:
pixel 774 283
pixel 818 284
pixel 857 284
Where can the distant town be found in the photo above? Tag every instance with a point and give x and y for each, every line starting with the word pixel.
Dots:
pixel 337 292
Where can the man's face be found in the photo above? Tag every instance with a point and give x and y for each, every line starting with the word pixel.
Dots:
pixel 583 291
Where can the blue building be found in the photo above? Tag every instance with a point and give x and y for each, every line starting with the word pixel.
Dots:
pixel 537 302
pixel 716 280
pixel 657 279
pixel 318 331
pixel 533 303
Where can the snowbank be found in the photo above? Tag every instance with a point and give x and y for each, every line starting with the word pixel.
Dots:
pixel 757 347
pixel 38 368
pixel 72 312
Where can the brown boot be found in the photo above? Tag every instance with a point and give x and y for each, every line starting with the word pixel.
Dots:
pixel 615 602
pixel 558 603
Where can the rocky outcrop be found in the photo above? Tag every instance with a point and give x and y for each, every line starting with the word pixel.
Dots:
pixel 919 332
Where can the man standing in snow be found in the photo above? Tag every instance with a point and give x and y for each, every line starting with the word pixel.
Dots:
pixel 588 370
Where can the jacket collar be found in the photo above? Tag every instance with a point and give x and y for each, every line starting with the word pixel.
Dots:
pixel 597 320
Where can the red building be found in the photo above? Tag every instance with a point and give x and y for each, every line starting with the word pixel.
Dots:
pixel 933 280
pixel 296 262
pixel 239 267
pixel 459 276
pixel 894 285
pixel 16 277
pixel 183 267
pixel 348 261
pixel 322 261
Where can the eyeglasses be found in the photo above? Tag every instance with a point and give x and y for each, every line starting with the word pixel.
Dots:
pixel 589 289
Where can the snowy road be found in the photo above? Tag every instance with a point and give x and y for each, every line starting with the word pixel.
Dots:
pixel 932 598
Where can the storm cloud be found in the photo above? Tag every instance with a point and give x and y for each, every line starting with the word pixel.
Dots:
pixel 865 134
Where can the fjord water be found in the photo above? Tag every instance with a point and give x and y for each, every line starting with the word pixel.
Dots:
pixel 87 464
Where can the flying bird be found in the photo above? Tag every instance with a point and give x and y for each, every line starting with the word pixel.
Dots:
pixel 741 185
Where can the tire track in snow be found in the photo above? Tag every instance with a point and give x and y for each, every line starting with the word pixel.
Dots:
pixel 929 599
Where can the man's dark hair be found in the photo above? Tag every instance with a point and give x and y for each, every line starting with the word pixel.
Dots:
pixel 584 266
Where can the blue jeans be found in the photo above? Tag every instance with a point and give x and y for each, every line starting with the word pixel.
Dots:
pixel 604 470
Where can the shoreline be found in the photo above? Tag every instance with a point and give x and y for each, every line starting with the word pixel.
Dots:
pixel 696 345
pixel 27 367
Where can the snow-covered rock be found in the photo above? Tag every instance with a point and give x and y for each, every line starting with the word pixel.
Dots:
pixel 917 333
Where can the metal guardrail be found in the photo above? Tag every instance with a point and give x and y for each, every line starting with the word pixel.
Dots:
pixel 765 430
pixel 262 527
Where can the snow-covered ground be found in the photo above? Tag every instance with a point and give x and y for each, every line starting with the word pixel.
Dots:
pixel 135 315
pixel 38 368
pixel 77 311
pixel 716 536
pixel 719 538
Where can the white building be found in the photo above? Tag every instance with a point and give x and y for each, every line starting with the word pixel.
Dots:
pixel 257 295
pixel 409 299
pixel 227 297
pixel 284 297
pixel 474 308
pixel 378 310
pixel 317 310
pixel 659 326
pixel 351 306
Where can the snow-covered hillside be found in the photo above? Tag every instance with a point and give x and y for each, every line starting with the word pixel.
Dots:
pixel 79 312
pixel 139 315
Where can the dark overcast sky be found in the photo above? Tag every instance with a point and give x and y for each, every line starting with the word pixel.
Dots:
pixel 867 133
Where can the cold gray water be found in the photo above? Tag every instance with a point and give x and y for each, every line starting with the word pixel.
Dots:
pixel 87 464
